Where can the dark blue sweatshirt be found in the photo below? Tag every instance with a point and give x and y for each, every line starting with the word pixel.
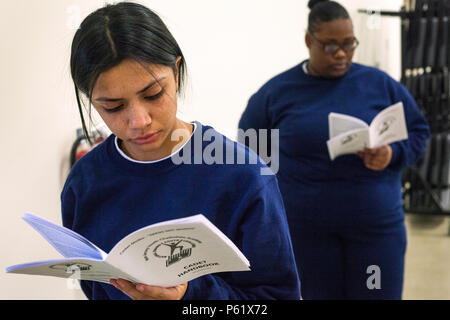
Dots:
pixel 107 196
pixel 342 192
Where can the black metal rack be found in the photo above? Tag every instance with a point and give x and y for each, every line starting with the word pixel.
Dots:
pixel 425 56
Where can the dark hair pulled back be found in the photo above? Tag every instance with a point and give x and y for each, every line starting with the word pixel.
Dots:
pixel 117 32
pixel 324 11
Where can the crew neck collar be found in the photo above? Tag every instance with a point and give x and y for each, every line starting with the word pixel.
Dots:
pixel 304 71
pixel 133 167
pixel 120 151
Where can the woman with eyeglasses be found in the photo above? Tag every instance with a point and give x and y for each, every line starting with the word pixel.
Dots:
pixel 346 216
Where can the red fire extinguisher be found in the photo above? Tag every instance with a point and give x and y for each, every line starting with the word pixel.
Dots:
pixel 81 147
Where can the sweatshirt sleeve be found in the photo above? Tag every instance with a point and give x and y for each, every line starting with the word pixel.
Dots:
pixel 67 206
pixel 407 152
pixel 68 210
pixel 255 116
pixel 265 240
pixel 255 129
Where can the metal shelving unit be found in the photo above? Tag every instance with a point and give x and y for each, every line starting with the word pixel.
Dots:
pixel 425 36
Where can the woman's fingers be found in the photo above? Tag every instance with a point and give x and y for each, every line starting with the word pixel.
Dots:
pixel 146 292
pixel 376 158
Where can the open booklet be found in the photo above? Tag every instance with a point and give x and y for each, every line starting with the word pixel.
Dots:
pixel 162 254
pixel 349 134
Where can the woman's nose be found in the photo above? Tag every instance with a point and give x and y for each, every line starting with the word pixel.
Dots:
pixel 138 117
pixel 340 54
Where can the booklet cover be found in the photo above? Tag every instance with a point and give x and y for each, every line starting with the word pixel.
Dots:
pixel 163 254
pixel 349 134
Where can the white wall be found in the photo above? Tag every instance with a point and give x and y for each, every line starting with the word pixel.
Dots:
pixel 232 47
pixel 379 36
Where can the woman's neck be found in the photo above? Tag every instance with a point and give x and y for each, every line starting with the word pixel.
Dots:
pixel 311 70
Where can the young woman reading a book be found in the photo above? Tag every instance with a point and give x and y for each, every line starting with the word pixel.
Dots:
pixel 128 66
pixel 346 216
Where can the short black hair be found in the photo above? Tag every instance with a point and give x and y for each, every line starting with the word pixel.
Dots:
pixel 324 11
pixel 114 33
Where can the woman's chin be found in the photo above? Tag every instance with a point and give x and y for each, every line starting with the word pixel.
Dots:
pixel 336 73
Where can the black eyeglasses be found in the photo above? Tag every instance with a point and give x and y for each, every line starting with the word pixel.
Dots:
pixel 332 48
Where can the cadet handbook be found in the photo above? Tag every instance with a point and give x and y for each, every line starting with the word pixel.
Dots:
pixel 349 134
pixel 162 254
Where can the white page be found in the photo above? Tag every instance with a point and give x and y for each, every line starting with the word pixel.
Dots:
pixel 388 126
pixel 225 238
pixel 339 123
pixel 349 142
pixel 65 241
pixel 173 253
pixel 74 268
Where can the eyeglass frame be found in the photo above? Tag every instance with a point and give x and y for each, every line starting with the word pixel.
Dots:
pixel 338 45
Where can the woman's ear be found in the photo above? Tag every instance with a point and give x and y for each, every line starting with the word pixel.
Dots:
pixel 308 40
pixel 177 70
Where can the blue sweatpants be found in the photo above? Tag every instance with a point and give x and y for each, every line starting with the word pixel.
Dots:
pixel 337 263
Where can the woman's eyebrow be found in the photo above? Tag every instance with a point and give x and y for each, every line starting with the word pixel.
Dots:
pixel 140 91
pixel 337 40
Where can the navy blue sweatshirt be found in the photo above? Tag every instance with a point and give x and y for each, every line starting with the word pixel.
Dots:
pixel 342 192
pixel 108 196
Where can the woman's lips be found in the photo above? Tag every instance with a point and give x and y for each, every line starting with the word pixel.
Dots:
pixel 340 66
pixel 149 138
